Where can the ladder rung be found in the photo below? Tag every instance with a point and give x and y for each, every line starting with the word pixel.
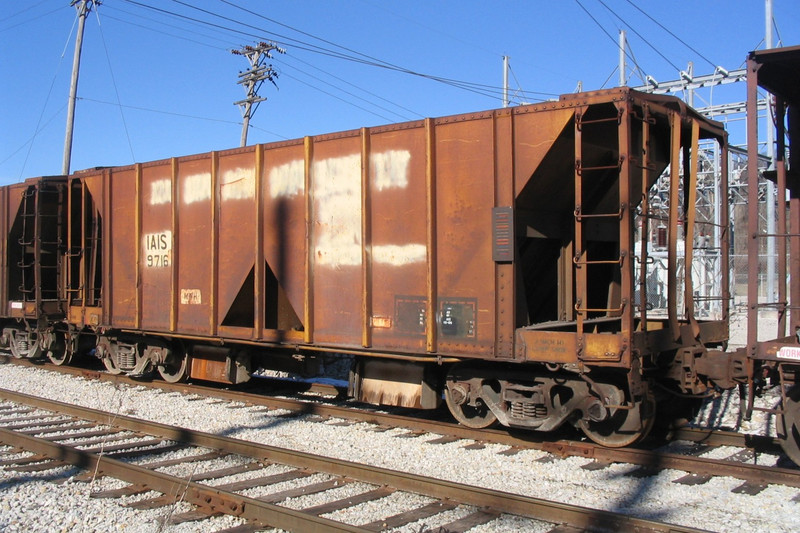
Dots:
pixel 582 169
pixel 762 235
pixel 644 118
pixel 579 122
pixel 579 216
pixel 582 122
pixel 604 262
pixel 588 310
pixel 773 304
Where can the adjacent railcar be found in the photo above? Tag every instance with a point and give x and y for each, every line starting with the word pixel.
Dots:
pixel 494 260
pixel 776 71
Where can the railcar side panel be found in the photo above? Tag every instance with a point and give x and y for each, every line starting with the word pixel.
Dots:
pixel 464 200
pixel 336 241
pixel 237 228
pixel 544 192
pixel 535 134
pixel 284 242
pixel 122 296
pixel 193 246
pixel 397 234
pixel 157 244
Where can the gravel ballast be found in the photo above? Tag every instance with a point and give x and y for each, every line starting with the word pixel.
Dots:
pixel 32 502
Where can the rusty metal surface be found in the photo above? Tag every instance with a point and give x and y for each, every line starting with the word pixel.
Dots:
pixel 381 238
pixel 776 71
pixel 121 225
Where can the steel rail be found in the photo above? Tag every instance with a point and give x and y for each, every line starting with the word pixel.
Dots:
pixel 203 496
pixel 251 509
pixel 524 440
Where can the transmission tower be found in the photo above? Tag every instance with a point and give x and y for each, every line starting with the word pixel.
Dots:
pixel 252 79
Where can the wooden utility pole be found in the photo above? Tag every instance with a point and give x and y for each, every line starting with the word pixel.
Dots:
pixel 83 7
pixel 622 66
pixel 253 78
pixel 505 81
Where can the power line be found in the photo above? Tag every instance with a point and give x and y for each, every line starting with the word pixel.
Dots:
pixel 295 58
pixel 684 43
pixel 160 111
pixel 227 44
pixel 404 117
pixel 23 10
pixel 114 83
pixel 489 91
pixel 316 88
pixel 39 128
pixel 287 62
pixel 648 43
pixel 28 20
pixel 232 30
pixel 613 39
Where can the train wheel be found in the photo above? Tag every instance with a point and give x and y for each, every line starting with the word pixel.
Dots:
pixel 59 350
pixel 477 416
pixel 625 427
pixel 56 347
pixel 788 425
pixel 105 351
pixel 174 370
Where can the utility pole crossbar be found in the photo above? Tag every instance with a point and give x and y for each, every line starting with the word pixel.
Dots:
pixel 253 78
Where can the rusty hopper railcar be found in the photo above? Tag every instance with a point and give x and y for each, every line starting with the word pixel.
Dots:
pixel 489 259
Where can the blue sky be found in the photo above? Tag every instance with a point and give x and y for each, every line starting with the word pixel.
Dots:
pixel 158 78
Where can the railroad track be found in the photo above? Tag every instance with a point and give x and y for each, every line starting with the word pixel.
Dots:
pixel 134 451
pixel 742 463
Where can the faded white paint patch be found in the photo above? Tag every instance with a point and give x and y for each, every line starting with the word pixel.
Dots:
pixel 337 206
pixel 399 255
pixel 160 192
pixel 238 184
pixel 287 179
pixel 196 188
pixel 390 169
